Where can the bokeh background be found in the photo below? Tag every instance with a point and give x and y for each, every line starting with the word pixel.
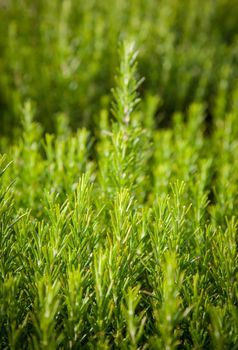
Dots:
pixel 63 55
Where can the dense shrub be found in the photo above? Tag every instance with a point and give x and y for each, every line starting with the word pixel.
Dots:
pixel 127 240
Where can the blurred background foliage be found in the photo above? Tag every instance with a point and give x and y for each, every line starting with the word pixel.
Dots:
pixel 63 56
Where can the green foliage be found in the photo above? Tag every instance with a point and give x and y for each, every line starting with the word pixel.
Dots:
pixel 126 239
pixel 63 55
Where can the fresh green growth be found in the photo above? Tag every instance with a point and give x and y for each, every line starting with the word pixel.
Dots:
pixel 125 240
